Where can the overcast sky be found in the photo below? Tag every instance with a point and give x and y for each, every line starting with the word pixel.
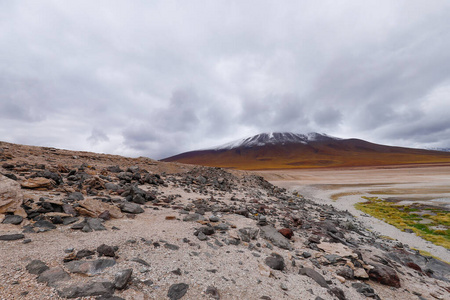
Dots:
pixel 156 78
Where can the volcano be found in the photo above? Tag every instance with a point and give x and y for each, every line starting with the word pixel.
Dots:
pixel 286 150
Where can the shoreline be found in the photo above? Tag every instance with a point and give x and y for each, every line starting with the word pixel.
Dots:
pixel 346 203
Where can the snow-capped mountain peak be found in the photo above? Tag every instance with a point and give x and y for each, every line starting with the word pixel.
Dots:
pixel 274 138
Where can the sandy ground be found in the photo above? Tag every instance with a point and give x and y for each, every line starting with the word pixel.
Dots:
pixel 348 185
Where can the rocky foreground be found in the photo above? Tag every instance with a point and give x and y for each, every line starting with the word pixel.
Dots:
pixel 95 226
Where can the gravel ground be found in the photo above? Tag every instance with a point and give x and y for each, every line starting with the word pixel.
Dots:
pixel 174 253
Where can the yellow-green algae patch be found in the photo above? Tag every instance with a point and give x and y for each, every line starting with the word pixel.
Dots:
pixel 437 220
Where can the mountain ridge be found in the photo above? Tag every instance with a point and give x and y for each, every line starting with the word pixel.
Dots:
pixel 290 150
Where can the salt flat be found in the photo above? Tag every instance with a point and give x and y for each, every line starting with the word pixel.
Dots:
pixel 344 187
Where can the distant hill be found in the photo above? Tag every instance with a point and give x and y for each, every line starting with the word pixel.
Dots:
pixel 439 149
pixel 286 150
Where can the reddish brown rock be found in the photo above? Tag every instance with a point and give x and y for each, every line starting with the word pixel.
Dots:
pixel 93 208
pixel 286 232
pixel 11 196
pixel 414 266
pixel 384 275
pixel 38 183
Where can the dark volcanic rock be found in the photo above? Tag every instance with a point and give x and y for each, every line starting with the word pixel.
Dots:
pixel 365 289
pixel 105 250
pixel 106 215
pixel 275 261
pixel 36 267
pixel 12 219
pixel 207 230
pixel 171 246
pixel 214 218
pixel 75 196
pixel 11 237
pixel 177 291
pixel 314 239
pixel 88 289
pixel 346 272
pixel 53 275
pixel 201 236
pixel 338 293
pixel 111 186
pixel 122 278
pixel 114 169
pixel 45 225
pixel 437 269
pixel 140 261
pixel 315 276
pixel 84 253
pixel 384 275
pixel 138 199
pixel 107 297
pixel 270 233
pixel 131 208
pixel 95 224
pixel 68 209
pixel 212 292
pixel 433 267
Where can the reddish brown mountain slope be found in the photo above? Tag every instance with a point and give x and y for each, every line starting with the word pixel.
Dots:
pixel 326 152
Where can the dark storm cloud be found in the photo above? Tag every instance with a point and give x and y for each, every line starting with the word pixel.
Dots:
pixel 159 78
pixel 177 126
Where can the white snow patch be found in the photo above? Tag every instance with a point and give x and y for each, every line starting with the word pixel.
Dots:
pixel 273 138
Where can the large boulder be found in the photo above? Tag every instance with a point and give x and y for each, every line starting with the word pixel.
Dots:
pixel 11 197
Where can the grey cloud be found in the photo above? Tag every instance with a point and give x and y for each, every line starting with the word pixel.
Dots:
pixel 172 129
pixel 280 112
pixel 156 79
pixel 328 117
pixel 97 136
